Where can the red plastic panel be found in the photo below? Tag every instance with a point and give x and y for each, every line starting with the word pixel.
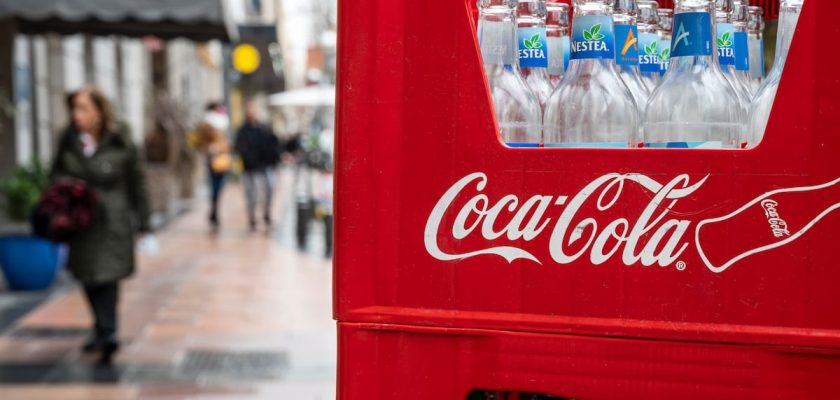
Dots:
pixel 403 362
pixel 771 7
pixel 700 252
pixel 666 3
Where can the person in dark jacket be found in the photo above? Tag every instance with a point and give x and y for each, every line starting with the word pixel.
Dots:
pixel 259 149
pixel 97 150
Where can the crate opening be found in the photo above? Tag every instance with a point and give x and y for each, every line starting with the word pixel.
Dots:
pixel 580 99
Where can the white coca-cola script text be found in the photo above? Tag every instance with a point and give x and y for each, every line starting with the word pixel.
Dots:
pixel 653 236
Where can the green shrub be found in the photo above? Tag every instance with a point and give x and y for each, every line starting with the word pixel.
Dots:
pixel 22 190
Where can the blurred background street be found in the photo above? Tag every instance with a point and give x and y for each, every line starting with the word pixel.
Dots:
pixel 228 301
pixel 238 314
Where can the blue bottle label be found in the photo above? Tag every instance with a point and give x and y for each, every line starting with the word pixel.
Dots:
pixel 726 44
pixel 664 56
pixel 494 40
pixel 742 51
pixel 649 51
pixel 559 52
pixel 522 145
pixel 685 145
pixel 533 48
pixel 692 35
pixel 763 65
pixel 627 45
pixel 567 52
pixel 598 145
pixel 592 38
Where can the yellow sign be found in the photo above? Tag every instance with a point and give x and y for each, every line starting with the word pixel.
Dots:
pixel 246 58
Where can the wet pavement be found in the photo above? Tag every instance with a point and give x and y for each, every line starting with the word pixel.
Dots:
pixel 227 315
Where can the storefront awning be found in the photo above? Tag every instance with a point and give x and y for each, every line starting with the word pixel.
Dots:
pixel 198 20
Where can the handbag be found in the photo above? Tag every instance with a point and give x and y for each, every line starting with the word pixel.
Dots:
pixel 221 163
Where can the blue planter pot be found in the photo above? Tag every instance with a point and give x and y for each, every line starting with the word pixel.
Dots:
pixel 30 263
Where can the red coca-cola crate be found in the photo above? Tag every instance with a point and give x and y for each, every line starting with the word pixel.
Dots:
pixel 583 273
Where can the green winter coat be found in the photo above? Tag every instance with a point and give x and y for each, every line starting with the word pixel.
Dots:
pixel 104 252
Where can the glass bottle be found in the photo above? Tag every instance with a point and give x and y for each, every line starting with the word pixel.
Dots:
pixel 694 106
pixel 755 29
pixel 559 44
pixel 533 48
pixel 627 50
pixel 666 23
pixel 592 107
pixel 650 48
pixel 766 95
pixel 517 109
pixel 726 50
pixel 740 17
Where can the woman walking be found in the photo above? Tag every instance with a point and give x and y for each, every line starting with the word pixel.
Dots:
pixel 210 139
pixel 97 150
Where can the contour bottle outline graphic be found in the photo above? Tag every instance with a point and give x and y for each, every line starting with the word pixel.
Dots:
pixel 767 200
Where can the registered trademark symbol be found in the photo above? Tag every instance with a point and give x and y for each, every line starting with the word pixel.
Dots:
pixel 680 265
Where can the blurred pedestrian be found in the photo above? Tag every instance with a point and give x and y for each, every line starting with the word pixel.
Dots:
pixel 259 149
pixel 97 150
pixel 210 138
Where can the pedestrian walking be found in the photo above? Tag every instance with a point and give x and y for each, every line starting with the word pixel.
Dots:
pixel 259 149
pixel 210 138
pixel 98 151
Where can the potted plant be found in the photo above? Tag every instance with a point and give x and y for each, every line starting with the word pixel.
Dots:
pixel 28 262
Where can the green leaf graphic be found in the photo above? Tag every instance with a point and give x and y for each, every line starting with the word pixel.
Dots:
pixel 726 36
pixel 536 45
pixel 535 39
pixel 587 35
pixel 597 36
pixel 728 43
pixel 666 55
pixel 720 43
pixel 595 29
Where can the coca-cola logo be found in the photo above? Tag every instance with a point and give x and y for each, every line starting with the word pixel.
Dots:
pixel 777 225
pixel 653 237
pixel 593 224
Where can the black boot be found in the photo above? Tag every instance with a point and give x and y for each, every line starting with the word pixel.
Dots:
pixel 214 218
pixel 93 344
pixel 110 346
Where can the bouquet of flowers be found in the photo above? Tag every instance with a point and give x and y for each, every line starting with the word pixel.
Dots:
pixel 65 208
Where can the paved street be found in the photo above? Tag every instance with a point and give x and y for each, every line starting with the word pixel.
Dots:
pixel 232 315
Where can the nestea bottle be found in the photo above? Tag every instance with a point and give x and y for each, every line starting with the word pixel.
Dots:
pixel 518 112
pixel 666 22
pixel 533 47
pixel 559 43
pixel 763 104
pixel 627 50
pixel 651 48
pixel 726 50
pixel 592 107
pixel 755 29
pixel 694 106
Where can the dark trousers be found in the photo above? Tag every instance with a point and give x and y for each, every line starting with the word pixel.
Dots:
pixel 328 235
pixel 217 181
pixel 103 304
